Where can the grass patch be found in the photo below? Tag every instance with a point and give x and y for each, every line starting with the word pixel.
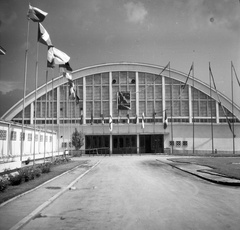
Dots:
pixel 229 166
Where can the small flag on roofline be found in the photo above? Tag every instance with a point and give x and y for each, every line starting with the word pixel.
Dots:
pixel 43 36
pixel 35 14
pixel 142 126
pixel 165 124
pixel 110 123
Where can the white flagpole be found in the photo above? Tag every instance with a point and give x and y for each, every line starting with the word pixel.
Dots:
pixel 210 79
pixel 193 122
pixel 232 109
pixel 24 90
pixel 45 125
pixel 52 114
pixel 171 98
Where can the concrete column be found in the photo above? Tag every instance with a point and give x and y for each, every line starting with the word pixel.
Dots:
pixel 137 97
pixel 110 93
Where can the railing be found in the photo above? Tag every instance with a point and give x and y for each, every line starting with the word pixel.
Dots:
pixel 93 151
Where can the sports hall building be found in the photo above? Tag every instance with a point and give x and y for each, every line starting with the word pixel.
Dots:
pixel 138 100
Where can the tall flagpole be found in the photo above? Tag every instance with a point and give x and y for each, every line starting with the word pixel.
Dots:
pixel 232 109
pixel 193 118
pixel 211 109
pixel 171 99
pixel 24 90
pixel 46 107
pixel 52 114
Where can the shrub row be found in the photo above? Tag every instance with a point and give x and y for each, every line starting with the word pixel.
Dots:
pixel 27 173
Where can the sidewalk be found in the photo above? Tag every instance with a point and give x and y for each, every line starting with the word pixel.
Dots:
pixel 14 215
pixel 202 172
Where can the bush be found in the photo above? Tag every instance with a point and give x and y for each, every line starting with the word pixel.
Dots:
pixel 27 173
pixel 15 179
pixel 37 172
pixel 46 168
pixel 3 184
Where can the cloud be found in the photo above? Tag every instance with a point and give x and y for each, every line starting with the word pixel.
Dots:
pixel 6 18
pixel 8 86
pixel 221 14
pixel 136 12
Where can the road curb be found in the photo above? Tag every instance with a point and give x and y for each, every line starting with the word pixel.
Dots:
pixel 202 177
pixel 30 216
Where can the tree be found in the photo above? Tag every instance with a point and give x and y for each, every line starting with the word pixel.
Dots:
pixel 77 139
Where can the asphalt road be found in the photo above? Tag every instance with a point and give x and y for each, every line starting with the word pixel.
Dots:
pixel 138 192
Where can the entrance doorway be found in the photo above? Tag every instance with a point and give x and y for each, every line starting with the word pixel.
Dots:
pixel 151 144
pixel 126 144
pixel 97 144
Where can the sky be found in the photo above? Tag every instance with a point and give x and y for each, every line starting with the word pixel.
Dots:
pixel 92 32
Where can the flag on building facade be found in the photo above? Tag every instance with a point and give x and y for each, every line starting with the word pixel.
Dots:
pixel 35 14
pixel 136 119
pixel 165 123
pixel 110 123
pixel 102 119
pixel 71 89
pixel 143 121
pixel 128 119
pixel 43 36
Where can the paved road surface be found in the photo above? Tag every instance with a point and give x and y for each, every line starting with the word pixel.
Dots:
pixel 138 192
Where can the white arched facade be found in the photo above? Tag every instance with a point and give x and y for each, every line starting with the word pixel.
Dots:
pixel 196 122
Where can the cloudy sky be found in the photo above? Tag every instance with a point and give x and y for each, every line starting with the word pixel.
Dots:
pixel 100 31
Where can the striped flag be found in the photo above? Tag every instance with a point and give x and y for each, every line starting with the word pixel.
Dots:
pixel 165 123
pixel 110 123
pixel 35 14
pixel 43 36
pixel 56 56
pixel 142 121
pixel 65 68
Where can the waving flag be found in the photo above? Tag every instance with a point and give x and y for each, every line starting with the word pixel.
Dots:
pixel 128 119
pixel 56 56
pixel 110 123
pixel 142 121
pixel 36 14
pixel 71 89
pixel 165 124
pixel 43 36
pixel 68 76
pixel 65 68
pixel 2 51
pixel 102 119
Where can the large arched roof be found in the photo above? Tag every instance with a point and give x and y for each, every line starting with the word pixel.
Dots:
pixel 123 66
